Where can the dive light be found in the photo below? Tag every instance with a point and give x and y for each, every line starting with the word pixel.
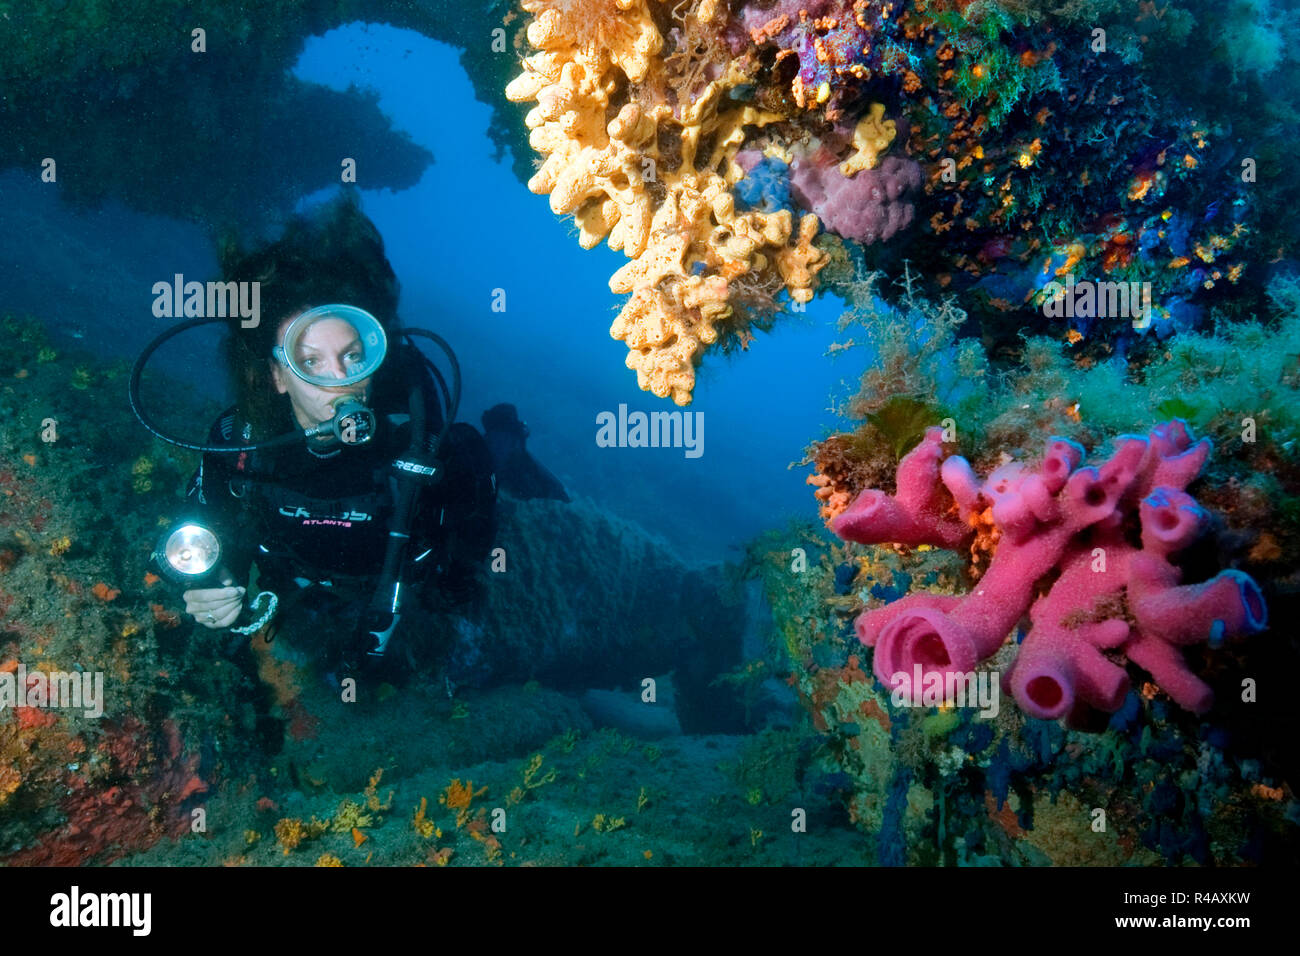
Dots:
pixel 189 554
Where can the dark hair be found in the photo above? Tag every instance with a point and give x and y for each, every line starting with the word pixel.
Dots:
pixel 332 253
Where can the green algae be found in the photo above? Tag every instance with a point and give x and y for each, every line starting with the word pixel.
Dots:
pixel 940 724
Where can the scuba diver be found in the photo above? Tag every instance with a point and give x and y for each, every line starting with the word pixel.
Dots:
pixel 340 473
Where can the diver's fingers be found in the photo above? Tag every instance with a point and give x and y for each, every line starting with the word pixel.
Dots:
pixel 228 618
pixel 211 607
pixel 220 615
pixel 207 598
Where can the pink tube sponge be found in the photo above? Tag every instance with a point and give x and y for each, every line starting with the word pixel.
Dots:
pixel 917 513
pixel 1060 664
pixel 1109 599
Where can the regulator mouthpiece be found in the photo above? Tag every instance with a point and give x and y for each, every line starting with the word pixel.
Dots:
pixel 333 346
pixel 188 553
pixel 353 423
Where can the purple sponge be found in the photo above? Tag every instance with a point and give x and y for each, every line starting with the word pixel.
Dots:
pixel 870 206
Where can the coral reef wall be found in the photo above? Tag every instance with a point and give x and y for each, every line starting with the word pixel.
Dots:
pixel 96 91
pixel 640 130
pixel 1112 640
pixel 1005 148
pixel 132 105
pixel 106 738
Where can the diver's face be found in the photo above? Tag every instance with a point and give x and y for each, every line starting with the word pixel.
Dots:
pixel 327 349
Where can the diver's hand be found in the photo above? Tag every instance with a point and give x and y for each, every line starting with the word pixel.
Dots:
pixel 215 608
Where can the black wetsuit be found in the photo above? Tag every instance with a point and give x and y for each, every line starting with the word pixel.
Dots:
pixel 320 516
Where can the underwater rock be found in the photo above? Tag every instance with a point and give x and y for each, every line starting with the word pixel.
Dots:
pixel 629 712
pixel 148 121
pixel 586 600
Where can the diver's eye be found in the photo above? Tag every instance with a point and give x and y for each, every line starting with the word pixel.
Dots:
pixel 353 358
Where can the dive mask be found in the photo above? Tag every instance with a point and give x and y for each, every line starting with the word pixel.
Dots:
pixel 333 346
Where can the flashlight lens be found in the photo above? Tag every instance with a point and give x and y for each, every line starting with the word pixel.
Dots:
pixel 192 550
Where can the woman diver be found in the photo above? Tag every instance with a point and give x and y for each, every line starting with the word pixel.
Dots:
pixel 340 471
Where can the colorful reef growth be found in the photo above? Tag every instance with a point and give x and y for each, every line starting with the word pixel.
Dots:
pixel 101 749
pixel 1053 151
pixel 976 536
pixel 1007 147
pixel 648 121
pixel 1110 596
